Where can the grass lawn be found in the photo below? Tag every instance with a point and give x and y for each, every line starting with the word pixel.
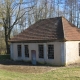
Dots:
pixel 11 70
pixel 60 73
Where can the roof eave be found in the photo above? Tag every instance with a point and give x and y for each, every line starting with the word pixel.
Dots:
pixel 36 41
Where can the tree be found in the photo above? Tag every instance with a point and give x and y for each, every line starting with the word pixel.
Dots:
pixel 44 9
pixel 11 11
pixel 2 42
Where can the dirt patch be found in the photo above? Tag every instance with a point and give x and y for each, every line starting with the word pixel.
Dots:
pixel 27 67
pixel 74 65
pixel 24 67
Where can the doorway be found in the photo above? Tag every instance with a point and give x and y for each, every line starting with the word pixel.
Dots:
pixel 33 57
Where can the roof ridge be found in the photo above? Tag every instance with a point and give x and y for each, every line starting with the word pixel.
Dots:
pixel 50 29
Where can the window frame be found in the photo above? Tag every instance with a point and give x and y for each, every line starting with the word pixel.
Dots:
pixel 19 51
pixel 50 53
pixel 26 51
pixel 41 53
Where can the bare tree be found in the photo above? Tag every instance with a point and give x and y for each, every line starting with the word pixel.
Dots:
pixel 2 42
pixel 11 11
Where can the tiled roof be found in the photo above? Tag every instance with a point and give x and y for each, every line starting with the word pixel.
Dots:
pixel 71 32
pixel 51 29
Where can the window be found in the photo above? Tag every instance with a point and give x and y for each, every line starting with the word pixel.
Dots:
pixel 79 49
pixel 19 50
pixel 41 51
pixel 26 51
pixel 50 51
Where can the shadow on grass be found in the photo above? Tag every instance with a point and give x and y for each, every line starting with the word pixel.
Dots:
pixel 5 60
pixel 11 62
pixel 24 63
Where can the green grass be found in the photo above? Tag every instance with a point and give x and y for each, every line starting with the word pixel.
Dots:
pixel 68 73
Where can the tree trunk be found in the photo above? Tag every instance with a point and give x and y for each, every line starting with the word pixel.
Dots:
pixel 7 37
pixel 6 40
pixel 7 45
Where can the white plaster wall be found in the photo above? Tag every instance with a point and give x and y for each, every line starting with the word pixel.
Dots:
pixel 14 51
pixel 11 50
pixel 72 52
pixel 63 53
pixel 58 52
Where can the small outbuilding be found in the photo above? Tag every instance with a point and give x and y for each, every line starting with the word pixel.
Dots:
pixel 53 41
